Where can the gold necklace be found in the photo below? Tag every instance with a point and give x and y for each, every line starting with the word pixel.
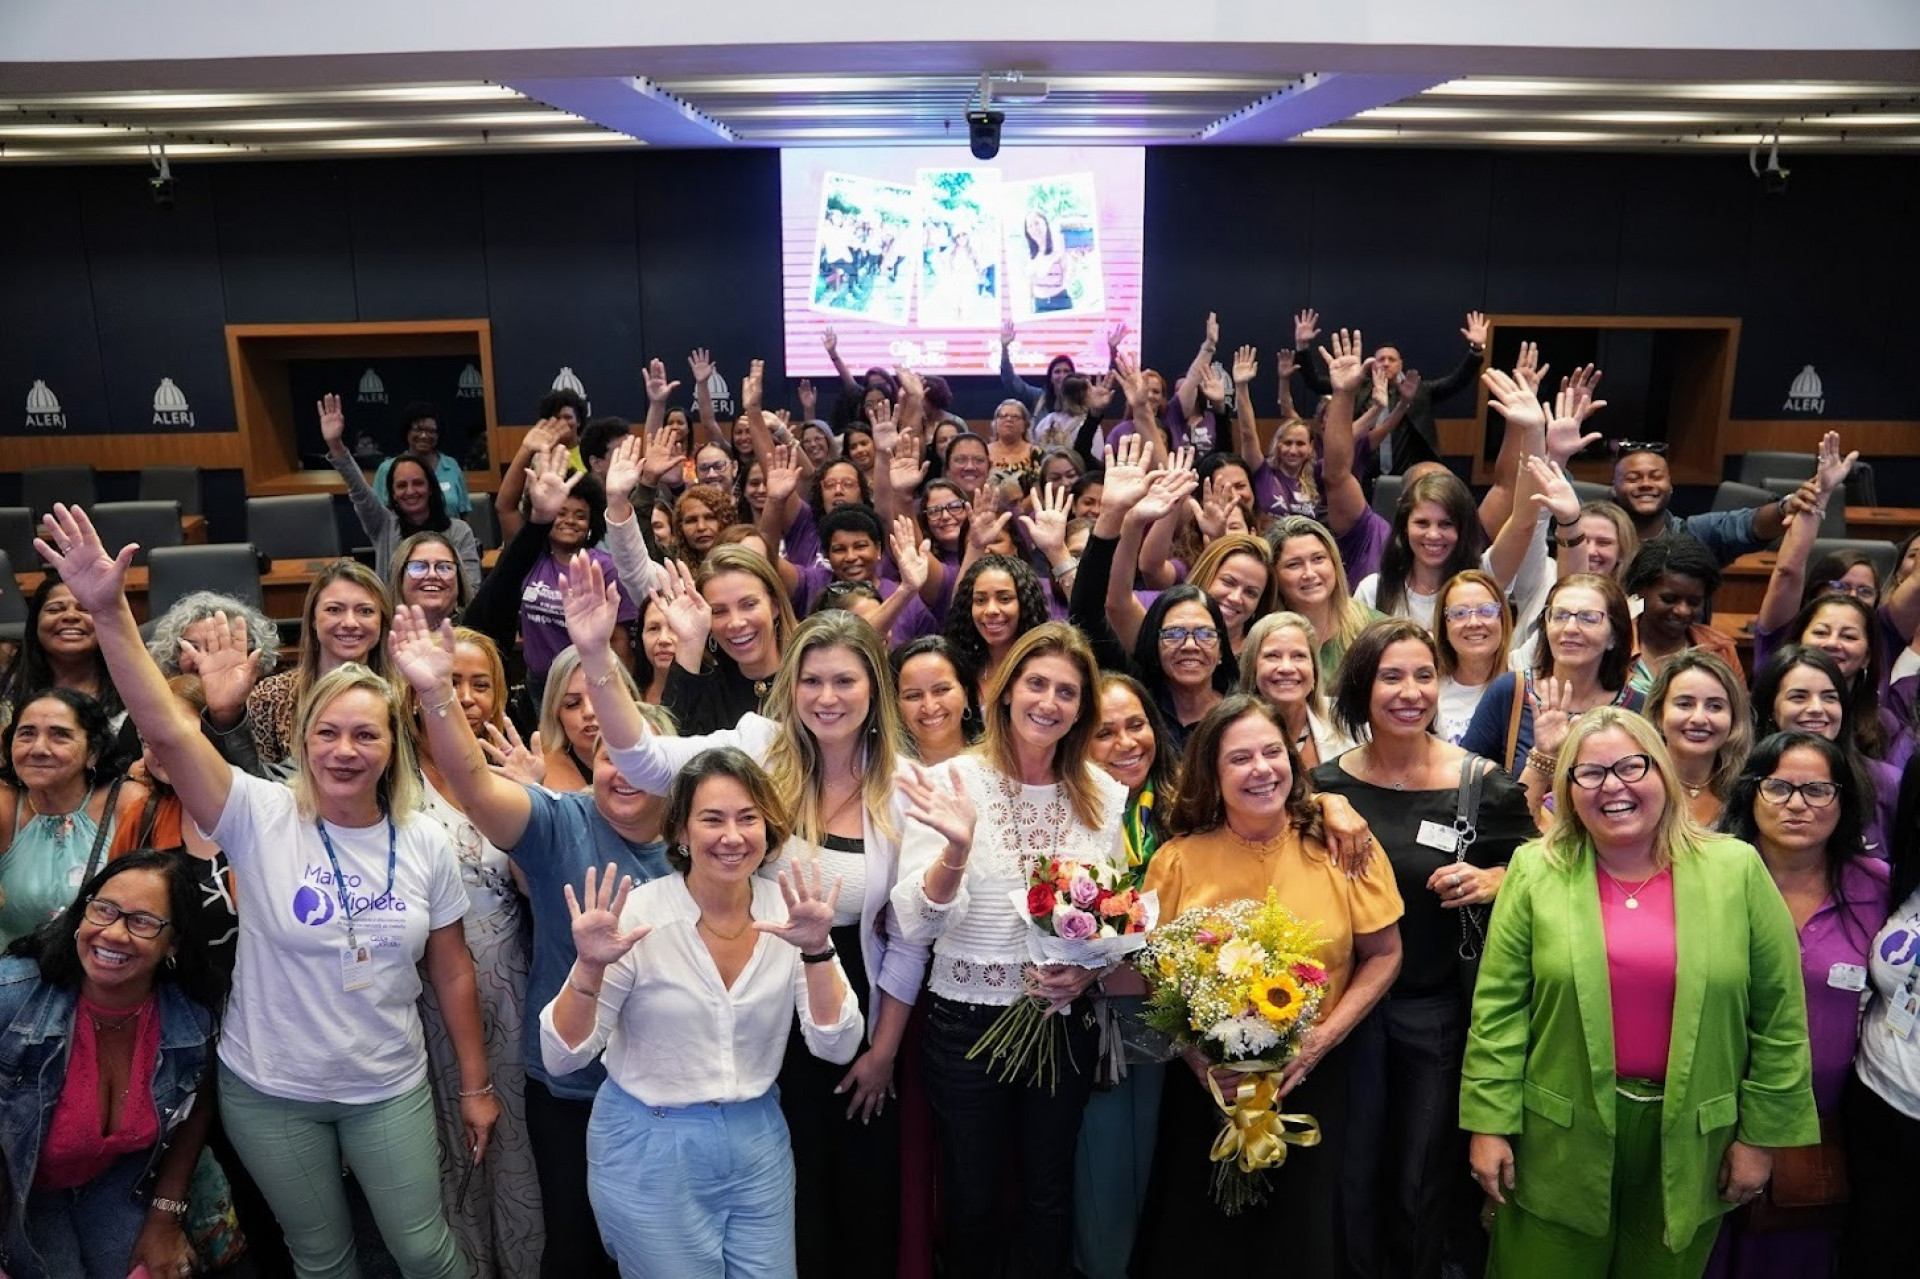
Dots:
pixel 735 935
pixel 103 1025
pixel 1633 894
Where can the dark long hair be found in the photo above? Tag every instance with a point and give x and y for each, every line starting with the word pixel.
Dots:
pixel 1849 833
pixel 960 630
pixel 1353 683
pixel 1862 692
pixel 102 753
pixel 1147 656
pixel 1199 804
pixel 1443 489
pixel 1766 687
pixel 55 948
pixel 1904 838
pixel 1163 774
pixel 32 670
pixel 941 647
pixel 437 521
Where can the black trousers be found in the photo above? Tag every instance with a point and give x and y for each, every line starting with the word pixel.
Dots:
pixel 986 1127
pixel 846 1214
pixel 1881 1144
pixel 558 1128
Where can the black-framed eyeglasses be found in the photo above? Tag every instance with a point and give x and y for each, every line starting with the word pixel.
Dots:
pixel 1176 636
pixel 139 922
pixel 438 568
pixel 1859 590
pixel 1628 768
pixel 1778 790
pixel 955 509
pixel 711 468
pixel 1461 612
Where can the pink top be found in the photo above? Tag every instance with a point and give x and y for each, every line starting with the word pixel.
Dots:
pixel 1641 962
pixel 74 1151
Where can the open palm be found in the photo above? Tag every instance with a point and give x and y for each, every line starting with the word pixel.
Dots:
pixel 422 655
pixel 597 938
pixel 73 548
pixel 592 604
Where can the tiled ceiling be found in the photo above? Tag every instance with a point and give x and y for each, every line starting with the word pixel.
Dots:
pixel 878 109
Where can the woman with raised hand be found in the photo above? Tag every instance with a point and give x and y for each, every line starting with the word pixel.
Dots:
pixel 345 888
pixel 413 502
pixel 1036 794
pixel 731 620
pixel 110 1011
pixel 1639 1038
pixel 688 986
pixel 1281 663
pixel 553 838
pixel 830 740
pixel 58 650
pixel 345 620
pixel 61 790
pixel 1794 803
pixel 1700 707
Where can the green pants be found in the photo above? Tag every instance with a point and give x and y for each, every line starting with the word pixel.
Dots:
pixel 1528 1247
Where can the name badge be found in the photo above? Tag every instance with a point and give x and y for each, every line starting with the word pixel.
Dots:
pixel 1902 1011
pixel 1847 977
pixel 356 968
pixel 1435 835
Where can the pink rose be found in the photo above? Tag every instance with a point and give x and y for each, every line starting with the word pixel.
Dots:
pixel 1084 892
pixel 1075 925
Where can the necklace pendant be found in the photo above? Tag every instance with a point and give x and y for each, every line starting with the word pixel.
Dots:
pixel 1633 903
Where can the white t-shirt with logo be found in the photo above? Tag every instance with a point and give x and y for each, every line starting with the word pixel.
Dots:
pixel 1887 1062
pixel 291 1029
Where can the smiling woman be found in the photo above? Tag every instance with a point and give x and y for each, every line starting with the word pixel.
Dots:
pixel 58 650
pixel 346 618
pixel 413 500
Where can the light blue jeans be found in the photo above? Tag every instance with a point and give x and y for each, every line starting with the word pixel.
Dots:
pixel 294 1149
pixel 692 1192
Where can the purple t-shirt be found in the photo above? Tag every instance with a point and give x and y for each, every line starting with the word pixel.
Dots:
pixel 1363 545
pixel 543 618
pixel 801 546
pixel 914 621
pixel 1839 934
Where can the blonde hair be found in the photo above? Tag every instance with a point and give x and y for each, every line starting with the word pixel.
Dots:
pixel 1623 532
pixel 1304 484
pixel 1443 643
pixel 552 736
pixel 398 790
pixel 1256 639
pixel 1070 758
pixel 744 559
pixel 793 758
pixel 1567 841
pixel 1348 614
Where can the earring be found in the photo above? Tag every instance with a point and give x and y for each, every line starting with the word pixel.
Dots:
pixel 173 961
pixel 682 850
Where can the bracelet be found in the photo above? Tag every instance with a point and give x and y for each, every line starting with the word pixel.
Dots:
pixel 1560 523
pixel 440 711
pixel 958 870
pixel 1065 567
pixel 819 957
pixel 1567 544
pixel 601 681
pixel 175 1208
pixel 485 1090
pixel 1541 762
pixel 574 985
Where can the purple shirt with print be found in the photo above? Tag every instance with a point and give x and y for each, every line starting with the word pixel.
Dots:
pixel 543 619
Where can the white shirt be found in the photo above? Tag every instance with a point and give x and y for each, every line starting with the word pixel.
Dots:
pixel 672 1034
pixel 485 870
pixel 1885 1062
pixel 1457 703
pixel 979 938
pixel 291 1030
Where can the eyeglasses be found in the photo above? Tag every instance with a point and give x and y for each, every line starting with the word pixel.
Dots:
pixel 139 922
pixel 1779 790
pixel 1586 616
pixel 1175 636
pixel 955 509
pixel 438 568
pixel 1628 768
pixel 711 468
pixel 1621 448
pixel 1859 590
pixel 1461 612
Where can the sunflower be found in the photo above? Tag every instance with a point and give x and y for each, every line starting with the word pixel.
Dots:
pixel 1276 997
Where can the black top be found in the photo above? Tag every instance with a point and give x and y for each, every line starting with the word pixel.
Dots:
pixel 716 698
pixel 1429 932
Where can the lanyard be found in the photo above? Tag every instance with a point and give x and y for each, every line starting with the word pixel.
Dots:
pixel 340 880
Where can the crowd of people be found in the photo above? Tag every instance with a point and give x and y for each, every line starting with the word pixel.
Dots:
pixel 639 905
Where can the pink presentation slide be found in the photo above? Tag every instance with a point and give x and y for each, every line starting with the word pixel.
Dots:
pixel 918 255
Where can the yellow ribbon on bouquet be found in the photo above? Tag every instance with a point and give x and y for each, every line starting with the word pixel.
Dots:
pixel 1256 1134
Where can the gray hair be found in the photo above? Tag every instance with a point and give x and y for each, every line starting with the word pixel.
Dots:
pixel 197 606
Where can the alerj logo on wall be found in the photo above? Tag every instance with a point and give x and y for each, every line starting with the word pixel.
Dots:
pixel 43 409
pixel 471 387
pixel 170 405
pixel 1806 395
pixel 372 389
pixel 567 380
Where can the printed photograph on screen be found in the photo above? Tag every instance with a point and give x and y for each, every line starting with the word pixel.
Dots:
pixel 960 271
pixel 1053 246
pixel 862 242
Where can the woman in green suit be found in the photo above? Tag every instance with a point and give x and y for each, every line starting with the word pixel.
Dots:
pixel 1639 1033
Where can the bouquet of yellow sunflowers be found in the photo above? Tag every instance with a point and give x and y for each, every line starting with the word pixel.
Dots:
pixel 1240 983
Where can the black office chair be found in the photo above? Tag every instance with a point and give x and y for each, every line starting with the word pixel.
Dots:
pixel 1885 556
pixel 1735 496
pixel 42 486
pixel 294 528
pixel 484 522
pixel 1588 491
pixel 231 568
pixel 1832 524
pixel 1756 468
pixel 172 484
pixel 1386 494
pixel 17 532
pixel 1861 490
pixel 13 605
pixel 151 524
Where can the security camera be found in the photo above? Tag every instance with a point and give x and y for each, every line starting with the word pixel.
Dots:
pixel 160 184
pixel 1773 178
pixel 983 133
pixel 162 191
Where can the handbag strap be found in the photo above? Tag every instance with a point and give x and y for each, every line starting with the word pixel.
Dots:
pixel 1473 772
pixel 1513 719
pixel 101 827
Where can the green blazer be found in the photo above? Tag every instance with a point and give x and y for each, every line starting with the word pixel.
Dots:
pixel 1539 1060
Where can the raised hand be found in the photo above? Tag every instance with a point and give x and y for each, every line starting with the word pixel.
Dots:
pixel 1552 489
pixel 1047 526
pixel 333 423
pixel 808 927
pixel 886 432
pixel 700 365
pixel 1286 366
pixel 1380 388
pixel 1527 369
pixel 1564 436
pixel 809 399
pixel 658 388
pixel 422 653
pixel 1007 334
pixel 1552 703
pixel 1165 492
pixel 1126 479
pixel 912 385
pixel 665 454
pixel 783 471
pixel 597 938
pixel 1115 336
pixel 1212 511
pixel 1584 382
pixel 1346 369
pixel 512 758
pixel 226 669
pixel 592 604
pixel 1831 469
pixel 830 340
pixel 1212 339
pixel 935 800
pixel 686 610
pixel 984 523
pixel 911 553
pixel 1127 374
pixel 1476 329
pixel 71 546
pixel 1513 401
pixel 623 464
pixel 1100 392
pixel 548 484
pixel 541 436
pixel 908 468
pixel 750 389
pixel 1213 387
pixel 1306 327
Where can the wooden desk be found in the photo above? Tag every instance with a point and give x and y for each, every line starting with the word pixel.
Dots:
pixel 1887 523
pixel 1743 584
pixel 193 530
pixel 1740 627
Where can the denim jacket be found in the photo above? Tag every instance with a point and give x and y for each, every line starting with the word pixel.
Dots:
pixel 38 1024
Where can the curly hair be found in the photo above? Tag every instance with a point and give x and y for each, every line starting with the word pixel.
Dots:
pixel 960 630
pixel 818 502
pixel 163 644
pixel 1674 553
pixel 32 671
